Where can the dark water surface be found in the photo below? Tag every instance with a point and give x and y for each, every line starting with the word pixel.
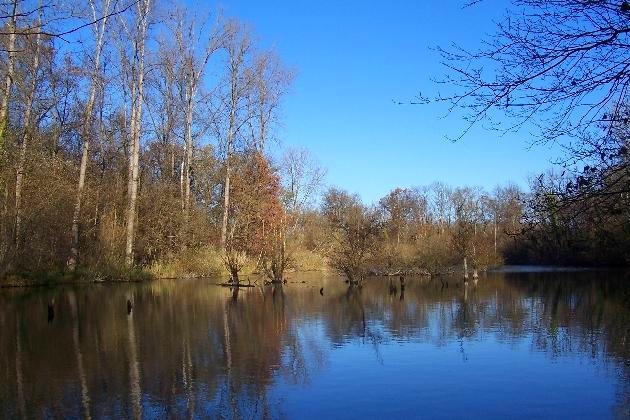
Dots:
pixel 516 345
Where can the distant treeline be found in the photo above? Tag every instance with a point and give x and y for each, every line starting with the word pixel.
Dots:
pixel 430 230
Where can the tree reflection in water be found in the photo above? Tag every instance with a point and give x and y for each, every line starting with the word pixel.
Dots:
pixel 189 348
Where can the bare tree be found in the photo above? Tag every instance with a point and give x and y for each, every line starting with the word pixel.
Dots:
pixel 27 130
pixel 137 87
pixel 192 66
pixel 468 216
pixel 238 46
pixel 270 82
pixel 354 232
pixel 86 132
pixel 440 206
pixel 302 178
pixel 8 78
pixel 164 109
pixel 401 208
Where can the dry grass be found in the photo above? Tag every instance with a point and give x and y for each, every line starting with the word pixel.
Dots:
pixel 202 262
pixel 305 260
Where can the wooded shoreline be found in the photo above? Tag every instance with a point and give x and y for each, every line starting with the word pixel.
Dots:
pixel 121 158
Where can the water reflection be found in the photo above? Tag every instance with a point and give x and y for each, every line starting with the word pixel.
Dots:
pixel 191 349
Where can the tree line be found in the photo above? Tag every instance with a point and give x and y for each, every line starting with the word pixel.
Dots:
pixel 144 135
pixel 422 230
pixel 138 134
pixel 437 229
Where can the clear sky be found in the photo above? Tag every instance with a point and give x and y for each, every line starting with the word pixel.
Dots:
pixel 353 58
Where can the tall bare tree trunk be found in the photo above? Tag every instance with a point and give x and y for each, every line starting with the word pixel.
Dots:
pixel 4 240
pixel 237 45
pixel 169 139
pixel 132 183
pixel 86 134
pixel 226 200
pixel 181 183
pixel 192 69
pixel 228 154
pixel 136 116
pixel 26 135
pixel 8 79
pixel 190 92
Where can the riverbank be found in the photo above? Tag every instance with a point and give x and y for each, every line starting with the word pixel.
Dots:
pixel 80 276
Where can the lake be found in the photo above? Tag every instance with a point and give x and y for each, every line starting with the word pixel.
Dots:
pixel 518 344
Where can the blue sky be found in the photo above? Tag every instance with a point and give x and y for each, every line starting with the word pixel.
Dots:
pixel 352 59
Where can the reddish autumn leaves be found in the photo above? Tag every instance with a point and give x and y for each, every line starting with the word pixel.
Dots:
pixel 257 217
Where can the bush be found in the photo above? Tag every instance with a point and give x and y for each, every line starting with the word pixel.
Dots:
pixel 435 254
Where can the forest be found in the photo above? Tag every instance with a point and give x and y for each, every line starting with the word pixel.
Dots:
pixel 140 140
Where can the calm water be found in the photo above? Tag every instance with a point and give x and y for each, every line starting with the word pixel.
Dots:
pixel 517 345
